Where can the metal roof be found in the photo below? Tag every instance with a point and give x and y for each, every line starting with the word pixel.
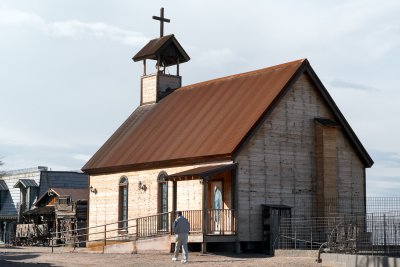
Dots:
pixel 74 193
pixel 204 122
pixel 26 183
pixel 40 210
pixel 167 47
pixel 3 186
pixel 200 172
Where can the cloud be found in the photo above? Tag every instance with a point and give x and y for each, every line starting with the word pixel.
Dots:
pixel 387 159
pixel 378 186
pixel 82 157
pixel 74 29
pixel 349 85
pixel 16 17
pixel 217 57
pixel 16 156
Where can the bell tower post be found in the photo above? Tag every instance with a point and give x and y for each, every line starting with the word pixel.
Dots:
pixel 165 51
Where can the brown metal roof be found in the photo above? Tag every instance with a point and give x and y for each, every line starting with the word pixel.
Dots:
pixel 202 122
pixel 200 172
pixel 167 47
pixel 195 122
pixel 74 193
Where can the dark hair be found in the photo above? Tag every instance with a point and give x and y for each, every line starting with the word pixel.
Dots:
pixel 179 213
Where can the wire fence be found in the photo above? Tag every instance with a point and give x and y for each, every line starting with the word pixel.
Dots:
pixel 376 232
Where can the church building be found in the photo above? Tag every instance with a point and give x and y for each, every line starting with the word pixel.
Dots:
pixel 223 151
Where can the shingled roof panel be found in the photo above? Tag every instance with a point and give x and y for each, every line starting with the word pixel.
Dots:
pixel 3 186
pixel 26 183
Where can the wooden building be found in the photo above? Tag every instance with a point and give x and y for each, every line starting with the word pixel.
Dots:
pixel 220 150
pixel 19 189
pixel 63 210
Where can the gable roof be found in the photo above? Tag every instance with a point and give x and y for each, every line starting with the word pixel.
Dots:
pixel 26 183
pixel 167 47
pixel 203 122
pixel 3 186
pixel 74 193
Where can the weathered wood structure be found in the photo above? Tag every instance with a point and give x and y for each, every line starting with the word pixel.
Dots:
pixel 221 149
pixel 63 210
pixel 19 189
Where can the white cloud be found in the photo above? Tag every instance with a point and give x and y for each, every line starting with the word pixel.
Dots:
pixel 72 28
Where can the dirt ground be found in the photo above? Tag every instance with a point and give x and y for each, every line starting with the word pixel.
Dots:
pixel 42 256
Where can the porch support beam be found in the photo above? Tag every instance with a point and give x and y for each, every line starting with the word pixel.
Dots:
pixel 204 215
pixel 235 201
pixel 174 197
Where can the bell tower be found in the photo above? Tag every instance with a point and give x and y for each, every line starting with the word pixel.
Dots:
pixel 166 52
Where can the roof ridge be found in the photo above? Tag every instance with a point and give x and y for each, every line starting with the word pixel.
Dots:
pixel 243 74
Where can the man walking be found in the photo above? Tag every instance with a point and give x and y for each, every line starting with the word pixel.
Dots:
pixel 181 231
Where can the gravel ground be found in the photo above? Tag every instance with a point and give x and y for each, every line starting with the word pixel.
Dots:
pixel 42 256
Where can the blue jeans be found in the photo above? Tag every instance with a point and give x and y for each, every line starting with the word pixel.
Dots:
pixel 181 240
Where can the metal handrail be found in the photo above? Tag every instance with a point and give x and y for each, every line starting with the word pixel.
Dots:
pixel 149 226
pixel 56 236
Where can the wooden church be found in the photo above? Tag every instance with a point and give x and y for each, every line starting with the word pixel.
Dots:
pixel 224 150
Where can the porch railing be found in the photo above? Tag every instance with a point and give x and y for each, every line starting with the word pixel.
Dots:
pixel 219 222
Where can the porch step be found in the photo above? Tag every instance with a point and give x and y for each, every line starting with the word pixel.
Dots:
pixel 154 244
pixel 159 244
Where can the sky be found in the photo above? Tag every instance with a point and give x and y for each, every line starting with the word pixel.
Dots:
pixel 67 80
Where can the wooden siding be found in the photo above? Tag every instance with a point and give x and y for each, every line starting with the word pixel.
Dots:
pixel 11 199
pixel 326 168
pixel 103 206
pixel 149 89
pixel 277 165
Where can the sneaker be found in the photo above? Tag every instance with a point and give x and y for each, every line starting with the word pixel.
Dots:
pixel 184 261
pixel 174 259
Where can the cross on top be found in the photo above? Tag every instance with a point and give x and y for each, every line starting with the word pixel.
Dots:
pixel 162 20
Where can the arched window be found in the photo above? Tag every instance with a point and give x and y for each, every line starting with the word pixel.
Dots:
pixel 123 203
pixel 163 199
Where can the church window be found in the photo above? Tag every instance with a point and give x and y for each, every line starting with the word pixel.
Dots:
pixel 163 200
pixel 123 203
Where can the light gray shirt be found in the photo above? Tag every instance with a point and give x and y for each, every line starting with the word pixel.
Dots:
pixel 181 225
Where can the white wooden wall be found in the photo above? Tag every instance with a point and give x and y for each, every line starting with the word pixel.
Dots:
pixel 103 206
pixel 277 165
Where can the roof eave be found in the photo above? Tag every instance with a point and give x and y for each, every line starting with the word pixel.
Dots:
pixel 153 55
pixel 157 164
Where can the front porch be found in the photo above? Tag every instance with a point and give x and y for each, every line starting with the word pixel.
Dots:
pixel 216 221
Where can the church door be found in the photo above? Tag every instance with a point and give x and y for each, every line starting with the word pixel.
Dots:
pixel 216 205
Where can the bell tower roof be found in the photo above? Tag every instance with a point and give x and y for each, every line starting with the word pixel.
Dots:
pixel 166 51
pixel 167 48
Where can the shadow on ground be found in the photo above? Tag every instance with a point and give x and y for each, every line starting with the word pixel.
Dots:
pixel 17 259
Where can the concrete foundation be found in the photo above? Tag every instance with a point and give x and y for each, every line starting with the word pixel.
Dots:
pixel 344 260
pixel 161 244
pixel 122 248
